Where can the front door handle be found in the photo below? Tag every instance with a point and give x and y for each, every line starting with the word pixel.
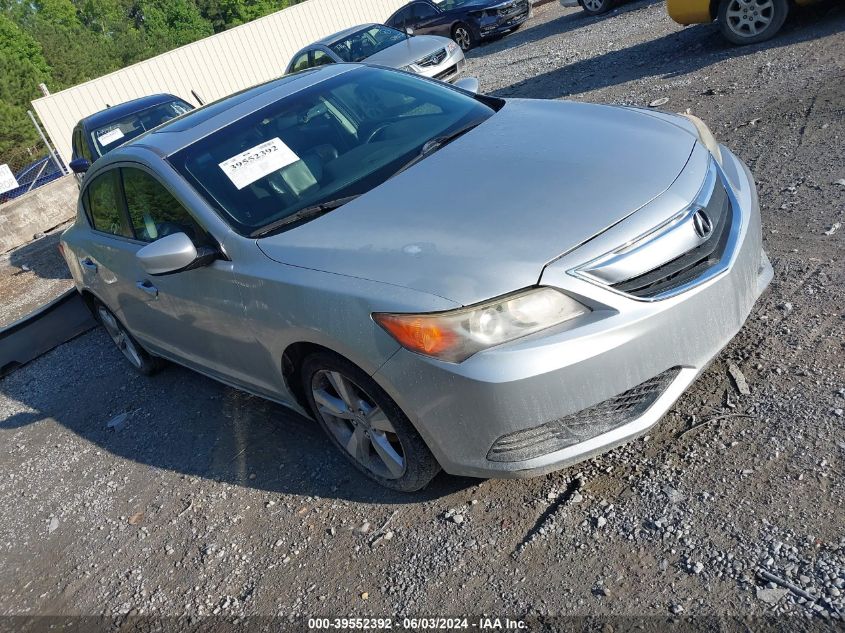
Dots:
pixel 88 263
pixel 147 287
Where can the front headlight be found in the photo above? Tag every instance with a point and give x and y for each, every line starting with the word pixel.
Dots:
pixel 451 47
pixel 706 137
pixel 409 68
pixel 456 335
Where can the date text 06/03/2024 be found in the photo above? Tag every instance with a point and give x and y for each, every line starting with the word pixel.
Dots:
pixel 423 623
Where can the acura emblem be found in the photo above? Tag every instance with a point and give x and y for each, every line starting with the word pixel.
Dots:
pixel 703 224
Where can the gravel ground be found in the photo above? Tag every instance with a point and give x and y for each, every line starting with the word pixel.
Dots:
pixel 203 500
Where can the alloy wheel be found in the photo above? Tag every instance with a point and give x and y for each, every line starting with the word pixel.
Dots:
pixel 594 5
pixel 120 337
pixel 462 38
pixel 358 424
pixel 749 18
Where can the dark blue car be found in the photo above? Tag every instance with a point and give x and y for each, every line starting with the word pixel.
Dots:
pixel 102 131
pixel 465 21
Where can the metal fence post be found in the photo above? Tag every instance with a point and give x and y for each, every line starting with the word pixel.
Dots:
pixel 49 147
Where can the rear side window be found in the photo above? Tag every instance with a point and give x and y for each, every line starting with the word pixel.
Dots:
pixel 104 206
pixel 321 58
pixel 423 11
pixel 153 210
pixel 399 18
pixel 300 63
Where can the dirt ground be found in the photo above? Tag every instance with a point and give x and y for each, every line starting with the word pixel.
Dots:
pixel 204 500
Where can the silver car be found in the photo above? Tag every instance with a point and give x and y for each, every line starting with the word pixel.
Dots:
pixel 441 279
pixel 427 55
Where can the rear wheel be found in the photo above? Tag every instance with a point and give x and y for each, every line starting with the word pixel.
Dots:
pixel 142 361
pixel 597 7
pixel 751 21
pixel 365 424
pixel 462 35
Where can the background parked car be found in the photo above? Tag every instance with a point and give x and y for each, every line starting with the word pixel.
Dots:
pixel 465 21
pixel 102 131
pixel 741 21
pixel 430 56
pixel 593 7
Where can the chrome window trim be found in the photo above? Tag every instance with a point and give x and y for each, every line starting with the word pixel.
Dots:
pixel 678 233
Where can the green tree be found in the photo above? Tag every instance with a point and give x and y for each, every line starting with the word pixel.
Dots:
pixel 168 24
pixel 22 68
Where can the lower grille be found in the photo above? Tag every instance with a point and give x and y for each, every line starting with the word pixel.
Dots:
pixel 584 425
pixel 447 73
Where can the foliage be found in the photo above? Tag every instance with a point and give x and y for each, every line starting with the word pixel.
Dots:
pixel 64 42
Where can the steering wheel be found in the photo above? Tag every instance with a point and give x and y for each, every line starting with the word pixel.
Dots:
pixel 371 137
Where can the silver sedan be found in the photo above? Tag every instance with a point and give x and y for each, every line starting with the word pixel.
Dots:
pixel 427 55
pixel 440 279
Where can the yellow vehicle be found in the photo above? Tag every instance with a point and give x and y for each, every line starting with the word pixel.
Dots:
pixel 741 21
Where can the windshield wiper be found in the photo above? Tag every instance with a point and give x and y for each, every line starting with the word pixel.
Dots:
pixel 435 144
pixel 306 213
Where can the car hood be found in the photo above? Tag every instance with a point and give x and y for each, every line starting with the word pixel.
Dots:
pixel 409 51
pixel 483 215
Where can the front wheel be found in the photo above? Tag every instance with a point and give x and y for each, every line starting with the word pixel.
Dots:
pixel 138 357
pixel 597 7
pixel 365 424
pixel 463 36
pixel 751 21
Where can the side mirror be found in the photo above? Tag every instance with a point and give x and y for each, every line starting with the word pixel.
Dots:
pixel 172 254
pixel 470 84
pixel 409 30
pixel 79 165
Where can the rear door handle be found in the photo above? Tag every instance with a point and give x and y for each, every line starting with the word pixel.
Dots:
pixel 147 287
pixel 88 263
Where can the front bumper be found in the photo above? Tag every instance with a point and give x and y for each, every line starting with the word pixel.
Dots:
pixel 461 410
pixel 492 26
pixel 448 70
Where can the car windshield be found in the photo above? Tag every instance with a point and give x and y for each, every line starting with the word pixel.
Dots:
pixel 115 133
pixel 337 138
pixel 366 43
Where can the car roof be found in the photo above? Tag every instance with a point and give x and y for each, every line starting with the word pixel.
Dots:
pixel 188 128
pixel 121 110
pixel 335 37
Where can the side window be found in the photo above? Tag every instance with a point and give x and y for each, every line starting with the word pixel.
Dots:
pixel 76 143
pixel 104 208
pixel 423 11
pixel 399 18
pixel 153 211
pixel 321 58
pixel 300 63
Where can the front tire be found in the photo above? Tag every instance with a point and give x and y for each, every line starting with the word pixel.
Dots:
pixel 751 21
pixel 462 35
pixel 365 424
pixel 597 7
pixel 141 361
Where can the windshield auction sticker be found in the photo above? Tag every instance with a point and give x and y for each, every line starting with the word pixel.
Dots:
pixel 107 138
pixel 257 162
